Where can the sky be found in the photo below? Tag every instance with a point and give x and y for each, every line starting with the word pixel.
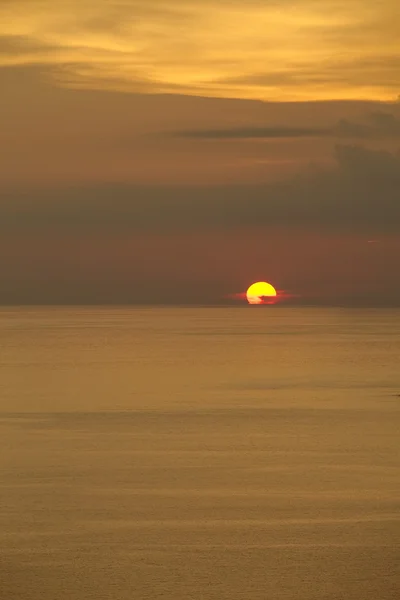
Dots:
pixel 175 151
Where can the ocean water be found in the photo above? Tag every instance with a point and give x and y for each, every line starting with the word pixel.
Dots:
pixel 205 454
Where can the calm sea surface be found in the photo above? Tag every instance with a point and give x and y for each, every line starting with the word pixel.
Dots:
pixel 205 454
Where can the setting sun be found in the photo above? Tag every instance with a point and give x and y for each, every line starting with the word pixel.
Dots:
pixel 261 293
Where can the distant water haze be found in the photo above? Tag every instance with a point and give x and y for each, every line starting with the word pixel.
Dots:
pixel 205 453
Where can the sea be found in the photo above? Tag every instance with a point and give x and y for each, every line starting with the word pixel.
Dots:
pixel 229 453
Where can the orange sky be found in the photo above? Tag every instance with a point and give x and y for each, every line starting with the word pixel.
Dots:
pixel 172 141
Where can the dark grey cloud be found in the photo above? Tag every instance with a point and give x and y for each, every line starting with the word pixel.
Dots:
pixel 361 193
pixel 255 132
pixel 377 125
pixel 386 122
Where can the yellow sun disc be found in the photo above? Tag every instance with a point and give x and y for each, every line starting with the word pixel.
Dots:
pixel 260 292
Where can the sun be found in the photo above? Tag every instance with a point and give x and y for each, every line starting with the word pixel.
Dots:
pixel 261 293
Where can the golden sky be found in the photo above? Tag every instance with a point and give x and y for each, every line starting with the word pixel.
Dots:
pixel 259 49
pixel 160 145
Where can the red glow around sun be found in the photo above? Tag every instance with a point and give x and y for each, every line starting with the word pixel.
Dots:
pixel 262 293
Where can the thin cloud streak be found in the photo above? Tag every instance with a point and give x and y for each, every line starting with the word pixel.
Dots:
pixel 379 125
pixel 255 132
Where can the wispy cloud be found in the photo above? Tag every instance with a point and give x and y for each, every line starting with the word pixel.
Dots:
pixel 292 49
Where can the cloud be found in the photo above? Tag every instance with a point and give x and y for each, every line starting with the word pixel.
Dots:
pixel 359 194
pixel 386 123
pixel 275 50
pixel 255 132
pixel 369 73
pixel 378 125
pixel 20 45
